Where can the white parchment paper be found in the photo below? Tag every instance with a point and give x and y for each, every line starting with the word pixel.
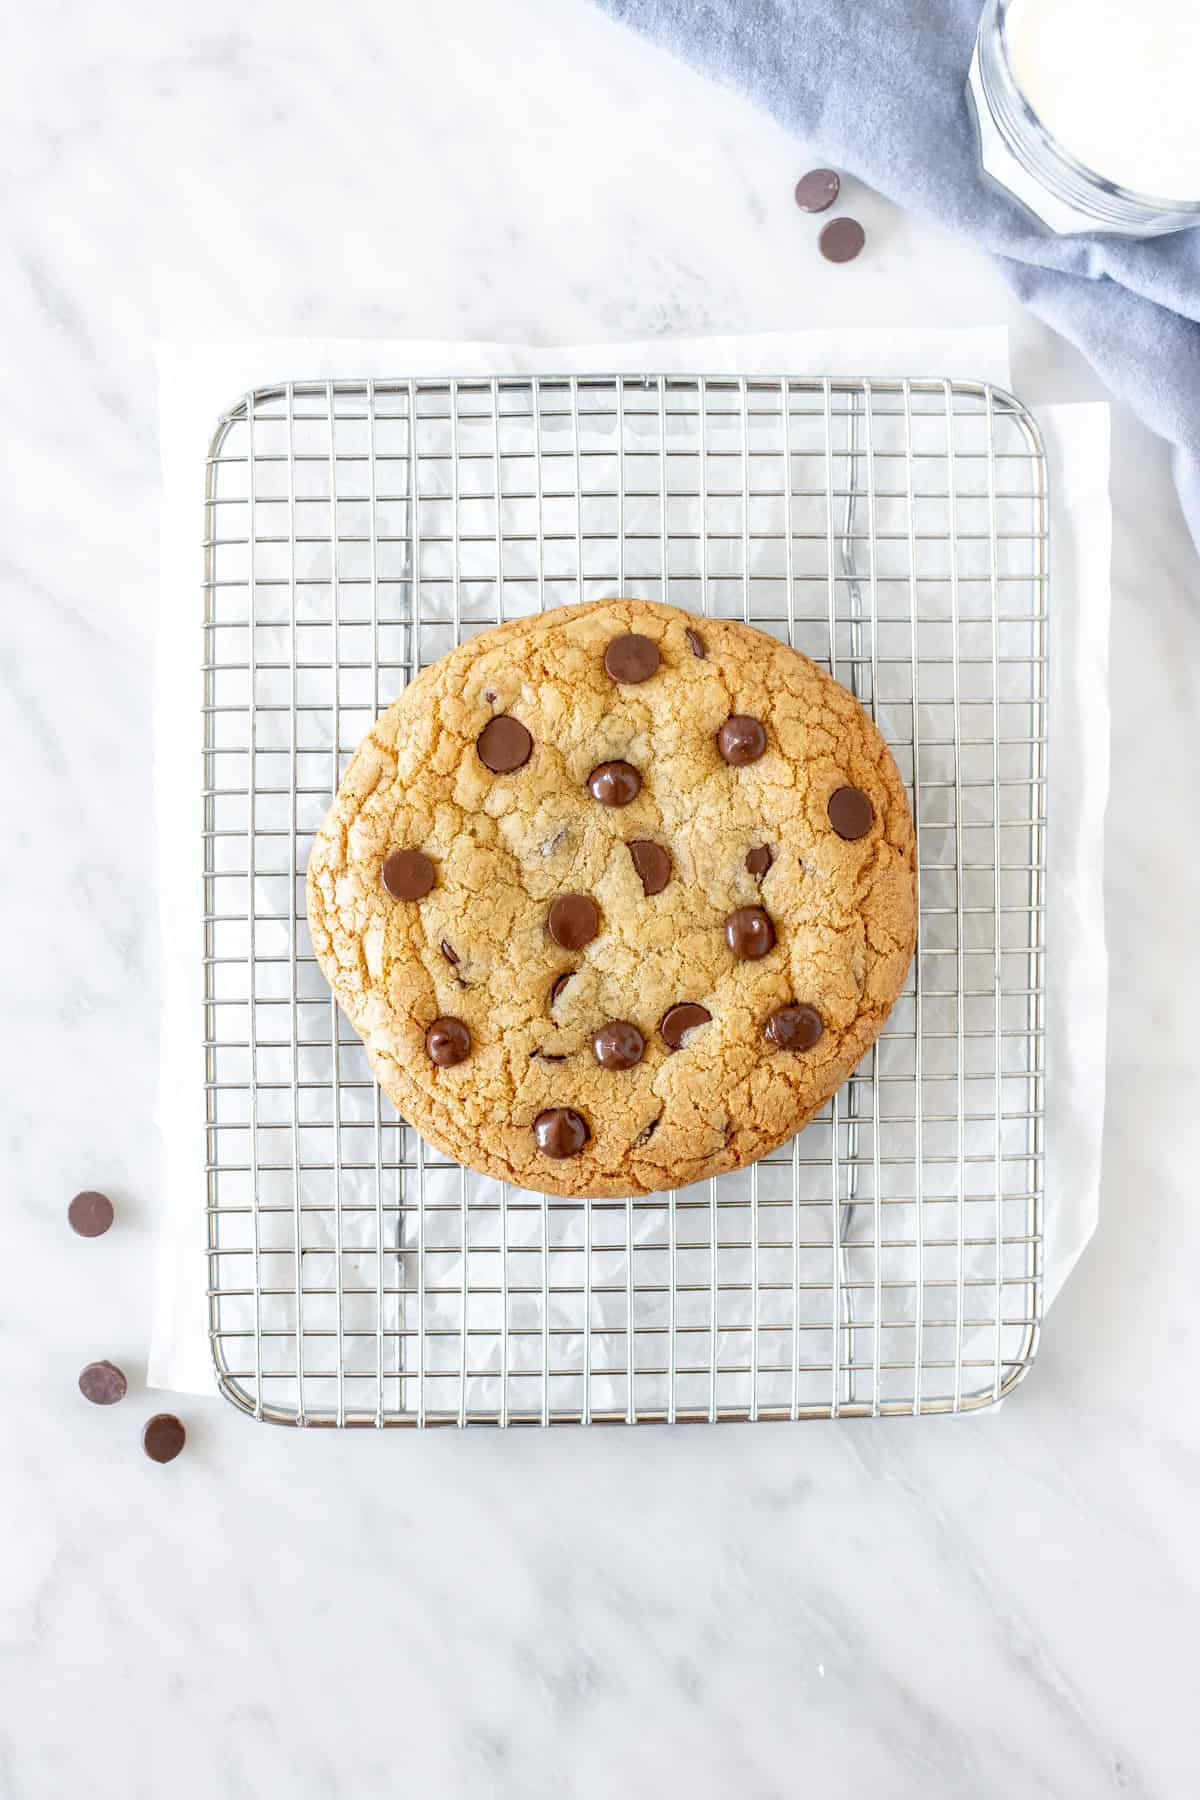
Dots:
pixel 197 382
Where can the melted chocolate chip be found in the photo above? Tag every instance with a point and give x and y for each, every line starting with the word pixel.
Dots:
pixel 699 647
pixel 90 1214
pixel 163 1437
pixel 677 1021
pixel 850 813
pixel 647 1131
pixel 103 1384
pixel 618 1045
pixel 408 874
pixel 817 191
pixel 560 982
pixel 759 860
pixel 741 739
pixel 749 932
pixel 449 952
pixel 841 240
pixel 504 744
pixel 794 1027
pixel 573 921
pixel 652 863
pixel 560 1131
pixel 614 783
pixel 448 1041
pixel 632 658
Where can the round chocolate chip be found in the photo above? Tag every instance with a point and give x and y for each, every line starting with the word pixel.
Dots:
pixel 560 982
pixel 447 1042
pixel 749 932
pixel 699 647
pixel 560 1131
pixel 573 921
pixel 618 1045
pixel 103 1384
pixel 408 874
pixel 794 1027
pixel 741 739
pixel 677 1021
pixel 850 812
pixel 163 1437
pixel 759 860
pixel 652 863
pixel 632 658
pixel 817 191
pixel 90 1214
pixel 841 240
pixel 614 783
pixel 504 744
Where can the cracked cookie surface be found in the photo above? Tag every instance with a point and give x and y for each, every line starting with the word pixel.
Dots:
pixel 657 898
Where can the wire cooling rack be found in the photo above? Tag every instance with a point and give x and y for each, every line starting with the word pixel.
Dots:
pixel 889 1260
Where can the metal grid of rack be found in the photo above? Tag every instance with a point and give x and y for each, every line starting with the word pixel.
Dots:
pixel 887 1261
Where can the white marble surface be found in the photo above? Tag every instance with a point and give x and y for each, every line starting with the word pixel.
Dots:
pixel 1003 1606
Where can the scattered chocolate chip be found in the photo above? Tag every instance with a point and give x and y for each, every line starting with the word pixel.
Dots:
pixel 647 1131
pixel 817 191
pixel 573 921
pixel 449 952
pixel 448 1041
pixel 618 1045
pixel 632 658
pixel 163 1437
pixel 504 744
pixel 560 1131
pixel 103 1384
pixel 547 1056
pixel 749 932
pixel 794 1027
pixel 677 1021
pixel 652 863
pixel 841 240
pixel 850 812
pixel 408 874
pixel 489 695
pixel 699 647
pixel 90 1214
pixel 560 982
pixel 759 860
pixel 741 739
pixel 614 783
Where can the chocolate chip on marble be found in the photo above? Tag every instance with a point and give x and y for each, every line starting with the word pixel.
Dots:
pixel 850 813
pixel 447 1042
pixel 90 1214
pixel 796 1026
pixel 408 874
pixel 841 240
pixel 817 191
pixel 741 739
pixel 699 647
pixel 759 860
pixel 163 1437
pixel 618 1045
pixel 449 952
pixel 632 658
pixel 614 783
pixel 504 744
pixel 677 1021
pixel 749 932
pixel 652 862
pixel 103 1383
pixel 560 1132
pixel 573 921
pixel 559 983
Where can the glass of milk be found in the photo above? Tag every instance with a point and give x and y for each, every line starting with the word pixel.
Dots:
pixel 1089 110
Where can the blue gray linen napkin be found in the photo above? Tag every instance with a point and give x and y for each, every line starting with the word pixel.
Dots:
pixel 878 87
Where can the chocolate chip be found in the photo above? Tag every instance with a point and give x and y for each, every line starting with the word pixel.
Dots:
pixel 504 744
pixel 449 952
pixel 632 658
pixel 573 921
pixel 841 240
pixel 749 932
pixel 614 783
pixel 618 1045
pixel 560 1131
pixel 794 1027
pixel 560 982
pixel 850 812
pixel 163 1437
pixel 741 739
pixel 448 1041
pixel 699 647
pixel 652 863
pixel 647 1131
pixel 408 874
pixel 759 860
pixel 90 1214
pixel 677 1021
pixel 817 191
pixel 103 1384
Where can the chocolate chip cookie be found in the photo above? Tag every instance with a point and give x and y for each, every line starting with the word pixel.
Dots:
pixel 616 897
